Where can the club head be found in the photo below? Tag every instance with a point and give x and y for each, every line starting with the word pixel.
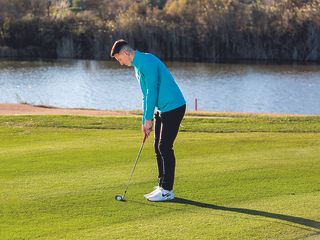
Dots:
pixel 119 198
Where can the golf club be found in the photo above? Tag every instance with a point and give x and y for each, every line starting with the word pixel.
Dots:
pixel 119 197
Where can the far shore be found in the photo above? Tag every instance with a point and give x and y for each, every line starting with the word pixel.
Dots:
pixel 28 109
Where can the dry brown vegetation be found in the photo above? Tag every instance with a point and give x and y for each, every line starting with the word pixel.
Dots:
pixel 203 30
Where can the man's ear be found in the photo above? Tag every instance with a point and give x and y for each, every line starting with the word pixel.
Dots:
pixel 126 52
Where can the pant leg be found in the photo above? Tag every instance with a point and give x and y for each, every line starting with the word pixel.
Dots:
pixel 170 126
pixel 157 130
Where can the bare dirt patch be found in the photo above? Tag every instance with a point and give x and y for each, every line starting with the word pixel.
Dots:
pixel 26 109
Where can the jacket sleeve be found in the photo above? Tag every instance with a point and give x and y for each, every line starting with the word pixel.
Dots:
pixel 151 79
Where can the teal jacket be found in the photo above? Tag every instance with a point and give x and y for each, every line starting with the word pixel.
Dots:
pixel 158 87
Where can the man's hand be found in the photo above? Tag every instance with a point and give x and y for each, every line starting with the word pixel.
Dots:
pixel 147 128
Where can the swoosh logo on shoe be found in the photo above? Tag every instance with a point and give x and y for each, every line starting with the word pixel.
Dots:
pixel 166 195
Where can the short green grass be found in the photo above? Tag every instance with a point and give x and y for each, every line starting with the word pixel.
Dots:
pixel 237 177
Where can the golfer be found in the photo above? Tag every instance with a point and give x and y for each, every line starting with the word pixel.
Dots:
pixel 160 93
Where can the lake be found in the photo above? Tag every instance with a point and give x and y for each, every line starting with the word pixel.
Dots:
pixel 258 88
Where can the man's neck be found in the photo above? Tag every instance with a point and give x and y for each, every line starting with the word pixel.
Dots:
pixel 132 55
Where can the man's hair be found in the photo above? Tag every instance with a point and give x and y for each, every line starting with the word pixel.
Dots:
pixel 127 48
pixel 118 46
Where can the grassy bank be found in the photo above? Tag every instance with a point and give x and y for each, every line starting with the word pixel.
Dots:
pixel 211 123
pixel 245 177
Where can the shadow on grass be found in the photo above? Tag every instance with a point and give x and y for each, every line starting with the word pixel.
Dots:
pixel 292 219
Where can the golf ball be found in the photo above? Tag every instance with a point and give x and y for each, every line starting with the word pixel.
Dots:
pixel 118 198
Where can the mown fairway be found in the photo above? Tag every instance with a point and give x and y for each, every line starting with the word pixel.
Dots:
pixel 237 177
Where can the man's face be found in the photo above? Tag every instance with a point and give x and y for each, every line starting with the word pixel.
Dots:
pixel 123 58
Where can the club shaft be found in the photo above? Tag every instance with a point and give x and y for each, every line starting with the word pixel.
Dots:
pixel 134 166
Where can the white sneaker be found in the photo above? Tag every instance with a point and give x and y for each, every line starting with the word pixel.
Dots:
pixel 161 196
pixel 156 189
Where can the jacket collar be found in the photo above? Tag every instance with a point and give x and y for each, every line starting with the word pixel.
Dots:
pixel 137 59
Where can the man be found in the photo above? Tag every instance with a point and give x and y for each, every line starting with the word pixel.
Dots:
pixel 161 92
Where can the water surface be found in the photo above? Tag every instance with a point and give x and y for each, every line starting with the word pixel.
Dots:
pixel 218 87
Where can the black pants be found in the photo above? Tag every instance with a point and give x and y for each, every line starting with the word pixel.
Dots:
pixel 166 129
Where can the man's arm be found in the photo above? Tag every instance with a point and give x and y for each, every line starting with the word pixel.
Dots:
pixel 151 79
pixel 146 124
